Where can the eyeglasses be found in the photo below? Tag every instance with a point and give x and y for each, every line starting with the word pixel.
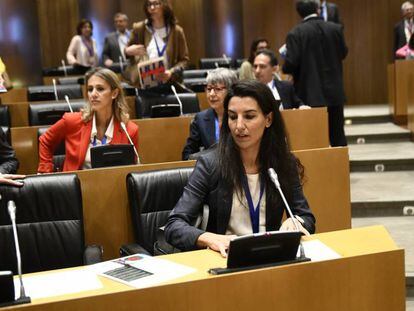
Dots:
pixel 155 4
pixel 216 89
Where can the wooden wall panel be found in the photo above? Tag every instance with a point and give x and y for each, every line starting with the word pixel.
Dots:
pixel 57 25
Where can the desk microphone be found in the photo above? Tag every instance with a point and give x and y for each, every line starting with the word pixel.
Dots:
pixel 227 59
pixel 68 102
pixel 274 178
pixel 65 71
pixel 178 99
pixel 11 207
pixel 55 90
pixel 216 64
pixel 130 141
pixel 121 63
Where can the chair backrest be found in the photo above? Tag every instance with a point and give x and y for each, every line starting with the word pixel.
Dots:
pixel 5 121
pixel 212 63
pixel 49 222
pixel 143 104
pixel 46 92
pixel 50 112
pixel 71 80
pixel 197 85
pixel 196 73
pixel 152 195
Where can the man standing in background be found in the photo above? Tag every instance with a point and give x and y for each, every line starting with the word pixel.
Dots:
pixel 315 51
pixel 405 28
pixel 115 42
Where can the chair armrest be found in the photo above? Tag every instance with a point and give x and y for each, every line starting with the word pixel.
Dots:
pixel 131 249
pixel 93 254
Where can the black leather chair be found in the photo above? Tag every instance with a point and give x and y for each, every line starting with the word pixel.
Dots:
pixel 212 63
pixel 144 104
pixel 195 74
pixel 46 92
pixel 5 122
pixel 49 112
pixel 71 80
pixel 49 222
pixel 60 71
pixel 197 85
pixel 152 195
pixel 239 62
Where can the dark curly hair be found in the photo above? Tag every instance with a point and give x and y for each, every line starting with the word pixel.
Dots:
pixel 82 23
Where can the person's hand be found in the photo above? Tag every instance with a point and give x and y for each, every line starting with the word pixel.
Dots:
pixel 9 179
pixel 135 50
pixel 289 225
pixel 165 76
pixel 108 62
pixel 217 242
pixel 304 107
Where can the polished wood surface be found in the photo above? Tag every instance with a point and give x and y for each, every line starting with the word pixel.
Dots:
pixel 391 88
pixel 306 129
pixel 14 95
pixel 403 87
pixel 106 207
pixel 162 139
pixel 358 281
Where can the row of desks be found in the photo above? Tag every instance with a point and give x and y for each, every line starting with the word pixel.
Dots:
pixel 163 139
pixel 369 276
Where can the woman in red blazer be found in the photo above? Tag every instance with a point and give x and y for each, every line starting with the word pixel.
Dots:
pixel 98 123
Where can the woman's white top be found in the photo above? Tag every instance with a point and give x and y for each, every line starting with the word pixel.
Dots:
pixel 94 141
pixel 240 223
pixel 79 53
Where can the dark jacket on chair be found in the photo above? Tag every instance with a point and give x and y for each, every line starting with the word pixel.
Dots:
pixel 206 187
pixel 202 133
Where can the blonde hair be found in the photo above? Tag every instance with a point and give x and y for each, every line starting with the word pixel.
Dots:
pixel 120 108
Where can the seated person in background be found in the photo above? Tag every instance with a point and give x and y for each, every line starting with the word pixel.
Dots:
pixel 115 42
pixel 82 48
pixel 265 66
pixel 8 161
pixel 97 124
pixel 4 77
pixel 233 178
pixel 246 71
pixel 205 128
pixel 407 51
pixel 159 35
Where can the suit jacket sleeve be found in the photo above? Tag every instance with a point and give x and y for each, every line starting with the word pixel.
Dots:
pixel 179 230
pixel 292 59
pixel 106 53
pixel 296 101
pixel 343 47
pixel 48 142
pixel 193 141
pixel 8 162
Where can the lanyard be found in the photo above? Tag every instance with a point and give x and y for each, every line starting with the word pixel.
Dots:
pixel 160 52
pixel 88 45
pixel 103 141
pixel 217 128
pixel 254 212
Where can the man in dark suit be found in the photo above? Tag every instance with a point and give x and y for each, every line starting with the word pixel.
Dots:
pixel 315 51
pixel 265 66
pixel 115 42
pixel 8 162
pixel 329 12
pixel 405 28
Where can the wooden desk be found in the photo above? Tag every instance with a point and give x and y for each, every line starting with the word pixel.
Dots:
pixel 106 207
pixel 400 88
pixel 369 276
pixel 14 95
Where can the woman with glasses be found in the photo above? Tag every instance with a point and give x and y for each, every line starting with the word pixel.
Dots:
pixel 205 128
pixel 159 35
pixel 233 178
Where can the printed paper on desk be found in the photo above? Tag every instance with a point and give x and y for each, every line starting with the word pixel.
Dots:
pixel 58 283
pixel 151 270
pixel 318 251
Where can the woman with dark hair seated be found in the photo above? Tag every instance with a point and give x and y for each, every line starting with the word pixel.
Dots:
pixel 159 35
pixel 205 128
pixel 233 178
pixel 99 123
pixel 246 71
